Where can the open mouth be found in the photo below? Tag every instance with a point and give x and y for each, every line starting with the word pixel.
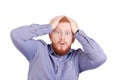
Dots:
pixel 62 44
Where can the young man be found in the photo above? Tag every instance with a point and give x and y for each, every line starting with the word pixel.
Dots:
pixel 57 61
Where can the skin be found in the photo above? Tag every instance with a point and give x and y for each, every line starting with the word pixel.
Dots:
pixel 62 35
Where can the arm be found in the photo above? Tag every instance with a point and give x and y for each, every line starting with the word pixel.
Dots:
pixel 22 38
pixel 92 55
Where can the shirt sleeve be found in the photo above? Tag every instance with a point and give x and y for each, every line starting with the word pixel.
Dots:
pixel 92 55
pixel 22 38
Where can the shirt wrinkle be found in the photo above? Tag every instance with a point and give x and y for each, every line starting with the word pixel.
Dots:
pixel 44 64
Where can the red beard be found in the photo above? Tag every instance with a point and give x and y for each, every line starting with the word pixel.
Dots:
pixel 60 51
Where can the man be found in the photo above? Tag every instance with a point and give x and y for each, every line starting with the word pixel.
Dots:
pixel 57 61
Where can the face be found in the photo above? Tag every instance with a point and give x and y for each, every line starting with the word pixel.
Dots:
pixel 62 38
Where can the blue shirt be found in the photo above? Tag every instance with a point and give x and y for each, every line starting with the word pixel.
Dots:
pixel 44 64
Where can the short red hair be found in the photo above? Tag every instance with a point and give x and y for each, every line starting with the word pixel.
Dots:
pixel 64 19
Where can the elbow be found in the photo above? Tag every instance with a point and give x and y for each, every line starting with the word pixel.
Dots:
pixel 102 59
pixel 94 62
pixel 12 34
pixel 99 61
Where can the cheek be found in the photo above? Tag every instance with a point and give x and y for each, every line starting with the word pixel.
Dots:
pixel 69 40
pixel 54 39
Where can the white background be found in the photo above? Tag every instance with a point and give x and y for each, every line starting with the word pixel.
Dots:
pixel 100 19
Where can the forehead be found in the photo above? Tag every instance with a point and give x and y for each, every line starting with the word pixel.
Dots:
pixel 64 26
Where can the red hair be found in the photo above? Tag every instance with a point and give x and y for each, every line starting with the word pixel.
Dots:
pixel 64 19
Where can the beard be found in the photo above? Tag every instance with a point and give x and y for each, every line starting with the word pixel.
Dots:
pixel 59 50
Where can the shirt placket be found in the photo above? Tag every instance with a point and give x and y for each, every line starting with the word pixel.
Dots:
pixel 58 68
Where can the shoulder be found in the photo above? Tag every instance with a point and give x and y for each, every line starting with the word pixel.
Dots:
pixel 76 52
pixel 41 43
pixel 79 50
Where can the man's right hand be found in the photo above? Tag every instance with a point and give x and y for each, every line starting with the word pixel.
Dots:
pixel 54 22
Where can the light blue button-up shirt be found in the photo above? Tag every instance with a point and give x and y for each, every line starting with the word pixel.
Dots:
pixel 44 64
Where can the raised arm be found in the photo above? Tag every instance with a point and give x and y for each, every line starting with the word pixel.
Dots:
pixel 22 38
pixel 92 55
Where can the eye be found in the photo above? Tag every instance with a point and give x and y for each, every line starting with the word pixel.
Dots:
pixel 58 32
pixel 67 33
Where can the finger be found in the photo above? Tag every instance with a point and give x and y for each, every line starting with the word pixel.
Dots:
pixel 57 18
pixel 71 20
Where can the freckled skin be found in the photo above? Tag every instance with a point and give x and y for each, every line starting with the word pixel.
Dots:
pixel 62 38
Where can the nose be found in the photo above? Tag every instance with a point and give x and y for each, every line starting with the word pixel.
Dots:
pixel 63 36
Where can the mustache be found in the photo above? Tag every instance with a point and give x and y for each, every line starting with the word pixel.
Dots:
pixel 61 42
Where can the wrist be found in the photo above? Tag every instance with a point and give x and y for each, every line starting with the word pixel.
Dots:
pixel 76 31
pixel 52 26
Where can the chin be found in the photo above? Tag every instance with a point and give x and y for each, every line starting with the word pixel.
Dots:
pixel 61 51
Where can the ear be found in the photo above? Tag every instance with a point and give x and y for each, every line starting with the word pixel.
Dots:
pixel 73 39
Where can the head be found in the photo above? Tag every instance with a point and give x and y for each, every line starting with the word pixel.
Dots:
pixel 62 37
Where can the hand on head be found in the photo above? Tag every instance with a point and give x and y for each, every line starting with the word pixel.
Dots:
pixel 74 25
pixel 54 22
